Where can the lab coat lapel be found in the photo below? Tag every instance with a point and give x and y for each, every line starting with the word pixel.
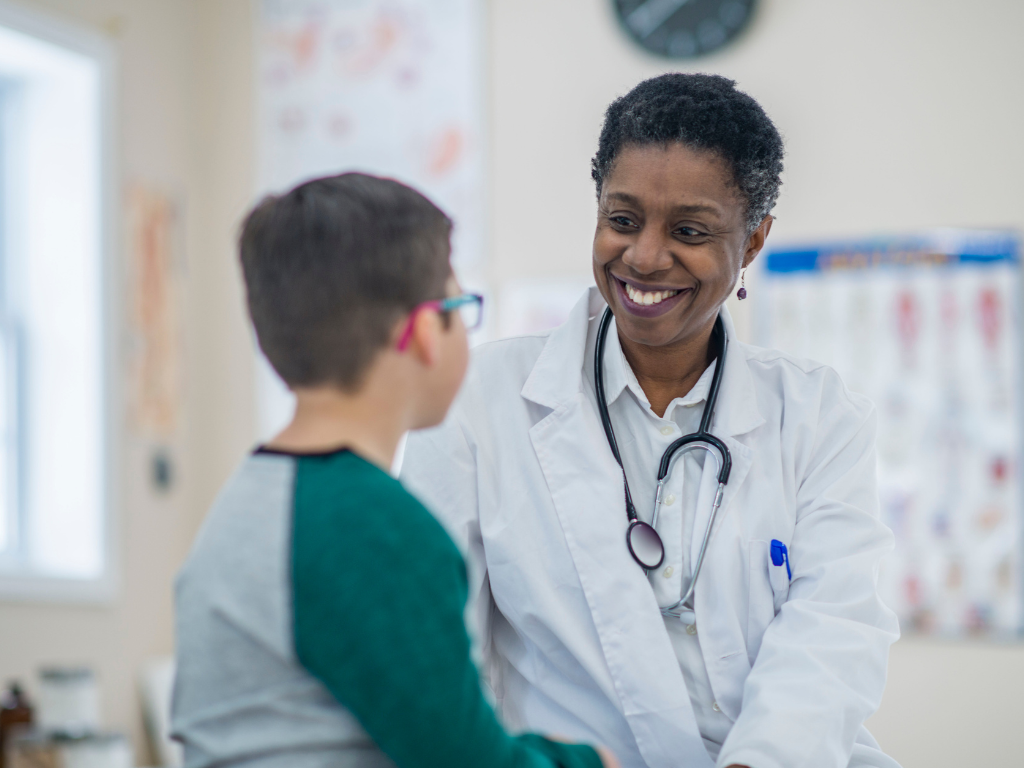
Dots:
pixel 587 493
pixel 723 636
pixel 586 488
pixel 742 458
pixel 736 413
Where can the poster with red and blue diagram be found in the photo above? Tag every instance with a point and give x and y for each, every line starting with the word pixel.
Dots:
pixel 388 87
pixel 927 327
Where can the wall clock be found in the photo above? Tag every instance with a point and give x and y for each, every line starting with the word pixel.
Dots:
pixel 683 29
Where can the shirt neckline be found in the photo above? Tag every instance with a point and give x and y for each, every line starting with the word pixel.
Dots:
pixel 619 377
pixel 264 450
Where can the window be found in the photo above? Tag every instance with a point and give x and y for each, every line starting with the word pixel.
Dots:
pixel 55 522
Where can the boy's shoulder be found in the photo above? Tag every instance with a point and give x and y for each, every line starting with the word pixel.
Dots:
pixel 247 523
pixel 343 481
pixel 347 505
pixel 337 503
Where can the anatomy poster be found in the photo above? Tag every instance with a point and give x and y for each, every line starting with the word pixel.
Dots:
pixel 390 87
pixel 928 327
pixel 156 278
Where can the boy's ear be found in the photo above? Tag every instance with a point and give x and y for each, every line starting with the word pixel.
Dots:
pixel 425 340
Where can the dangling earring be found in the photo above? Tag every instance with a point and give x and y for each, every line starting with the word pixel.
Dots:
pixel 741 294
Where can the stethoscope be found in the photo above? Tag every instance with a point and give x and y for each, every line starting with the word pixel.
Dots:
pixel 643 540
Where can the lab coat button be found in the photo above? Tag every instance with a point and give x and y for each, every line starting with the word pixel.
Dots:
pixel 667 430
pixel 691 629
pixel 714 706
pixel 670 499
pixel 667 573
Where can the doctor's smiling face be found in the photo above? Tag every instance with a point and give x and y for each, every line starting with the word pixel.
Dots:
pixel 672 235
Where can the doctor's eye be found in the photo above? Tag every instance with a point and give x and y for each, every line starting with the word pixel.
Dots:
pixel 689 232
pixel 622 222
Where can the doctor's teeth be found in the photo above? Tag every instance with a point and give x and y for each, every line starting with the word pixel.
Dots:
pixel 647 297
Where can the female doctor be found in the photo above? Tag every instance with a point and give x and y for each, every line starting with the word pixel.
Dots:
pixel 747 631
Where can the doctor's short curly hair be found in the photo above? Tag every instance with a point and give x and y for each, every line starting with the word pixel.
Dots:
pixel 703 112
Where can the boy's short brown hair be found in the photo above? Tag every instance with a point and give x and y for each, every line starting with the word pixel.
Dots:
pixel 332 265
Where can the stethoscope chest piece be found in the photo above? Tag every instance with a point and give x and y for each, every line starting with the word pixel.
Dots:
pixel 645 545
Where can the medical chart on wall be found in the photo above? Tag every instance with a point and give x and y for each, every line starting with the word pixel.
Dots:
pixel 156 277
pixel 927 327
pixel 389 87
pixel 534 305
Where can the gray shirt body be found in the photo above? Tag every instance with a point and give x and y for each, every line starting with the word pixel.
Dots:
pixel 241 697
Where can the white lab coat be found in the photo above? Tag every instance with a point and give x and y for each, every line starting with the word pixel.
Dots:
pixel 570 633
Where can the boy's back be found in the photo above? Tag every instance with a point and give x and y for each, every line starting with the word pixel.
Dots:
pixel 317 579
pixel 241 692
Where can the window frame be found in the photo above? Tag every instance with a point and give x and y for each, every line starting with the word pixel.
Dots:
pixel 24 585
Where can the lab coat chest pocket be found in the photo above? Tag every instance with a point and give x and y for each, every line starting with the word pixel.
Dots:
pixel 767 591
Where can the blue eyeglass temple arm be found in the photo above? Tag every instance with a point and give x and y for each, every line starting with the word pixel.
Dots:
pixel 458 301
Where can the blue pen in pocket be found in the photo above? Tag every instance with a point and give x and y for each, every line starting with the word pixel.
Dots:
pixel 780 555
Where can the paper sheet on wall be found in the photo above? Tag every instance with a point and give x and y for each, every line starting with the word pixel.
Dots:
pixel 389 87
pixel 535 305
pixel 155 277
pixel 928 328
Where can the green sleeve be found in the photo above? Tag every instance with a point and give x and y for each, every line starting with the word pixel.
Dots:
pixel 379 593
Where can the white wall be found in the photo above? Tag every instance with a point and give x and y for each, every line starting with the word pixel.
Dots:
pixel 896 115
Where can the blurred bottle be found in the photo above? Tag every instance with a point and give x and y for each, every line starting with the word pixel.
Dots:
pixel 15 711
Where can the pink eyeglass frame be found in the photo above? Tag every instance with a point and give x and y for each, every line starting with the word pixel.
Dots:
pixel 439 305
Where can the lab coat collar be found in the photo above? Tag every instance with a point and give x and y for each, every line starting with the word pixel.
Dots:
pixel 737 412
pixel 558 374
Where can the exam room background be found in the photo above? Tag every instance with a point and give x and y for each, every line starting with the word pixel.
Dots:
pixel 898 115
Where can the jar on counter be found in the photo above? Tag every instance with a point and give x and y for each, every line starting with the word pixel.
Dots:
pixel 68 701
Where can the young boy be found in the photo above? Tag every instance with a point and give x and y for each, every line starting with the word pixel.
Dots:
pixel 320 613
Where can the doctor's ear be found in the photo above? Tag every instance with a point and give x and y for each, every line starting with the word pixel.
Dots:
pixel 756 240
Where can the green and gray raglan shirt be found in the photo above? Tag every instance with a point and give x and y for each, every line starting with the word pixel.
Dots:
pixel 320 623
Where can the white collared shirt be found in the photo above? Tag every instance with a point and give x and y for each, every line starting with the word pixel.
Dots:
pixel 642 437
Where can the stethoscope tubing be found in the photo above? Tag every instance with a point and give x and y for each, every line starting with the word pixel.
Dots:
pixel 602 406
pixel 702 439
pixel 686 600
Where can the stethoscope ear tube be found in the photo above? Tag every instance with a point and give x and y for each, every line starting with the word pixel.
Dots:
pixel 606 421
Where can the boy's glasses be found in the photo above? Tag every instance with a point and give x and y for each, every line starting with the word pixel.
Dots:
pixel 469 305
